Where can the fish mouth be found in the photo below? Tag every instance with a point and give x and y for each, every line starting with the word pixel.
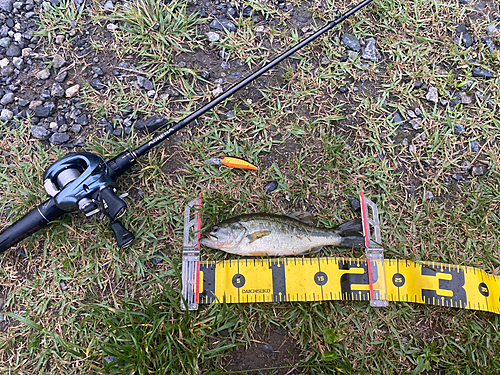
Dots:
pixel 206 238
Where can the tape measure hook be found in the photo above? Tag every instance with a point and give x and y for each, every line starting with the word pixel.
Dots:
pixel 374 252
pixel 191 255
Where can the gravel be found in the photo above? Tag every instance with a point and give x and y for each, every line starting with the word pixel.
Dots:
pixel 463 36
pixel 6 115
pixel 58 62
pixel 371 52
pixel 43 74
pixel 432 95
pixel 6 5
pixel 57 90
pixel 39 132
pixel 97 84
pixel 145 83
pixel 459 129
pixel 478 72
pixel 59 138
pixel 223 24
pixel 351 42
pixel 72 91
pixel 13 51
pixel 7 98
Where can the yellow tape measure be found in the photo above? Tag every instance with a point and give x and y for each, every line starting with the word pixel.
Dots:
pixel 373 279
pixel 321 279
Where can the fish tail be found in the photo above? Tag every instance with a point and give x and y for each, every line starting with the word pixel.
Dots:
pixel 351 234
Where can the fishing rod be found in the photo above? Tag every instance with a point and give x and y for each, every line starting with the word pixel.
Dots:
pixel 85 181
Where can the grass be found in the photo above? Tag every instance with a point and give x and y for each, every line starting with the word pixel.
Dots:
pixel 72 298
pixel 156 32
pixel 59 19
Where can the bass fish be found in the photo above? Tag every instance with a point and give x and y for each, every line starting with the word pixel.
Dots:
pixel 270 234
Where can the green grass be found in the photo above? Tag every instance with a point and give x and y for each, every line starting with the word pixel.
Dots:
pixel 59 19
pixel 157 32
pixel 77 298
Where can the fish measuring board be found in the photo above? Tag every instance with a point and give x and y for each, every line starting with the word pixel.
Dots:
pixel 333 278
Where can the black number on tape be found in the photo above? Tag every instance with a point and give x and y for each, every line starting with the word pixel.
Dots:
pixel 279 280
pixel 238 280
pixel 398 280
pixel 320 278
pixel 455 285
pixel 348 280
pixel 483 289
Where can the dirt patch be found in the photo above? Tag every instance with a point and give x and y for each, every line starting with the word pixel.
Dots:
pixel 271 352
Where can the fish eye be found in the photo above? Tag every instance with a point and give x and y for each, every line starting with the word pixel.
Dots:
pixel 215 229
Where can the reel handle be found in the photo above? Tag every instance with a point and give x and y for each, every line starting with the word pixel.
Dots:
pixel 124 238
pixel 33 221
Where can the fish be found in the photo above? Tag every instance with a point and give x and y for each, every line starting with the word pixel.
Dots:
pixel 261 234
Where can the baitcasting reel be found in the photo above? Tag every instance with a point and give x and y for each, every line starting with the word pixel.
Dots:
pixel 81 181
pixel 85 181
pixel 78 181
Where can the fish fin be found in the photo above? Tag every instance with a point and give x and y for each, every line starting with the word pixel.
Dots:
pixel 303 216
pixel 256 235
pixel 351 234
pixel 314 250
pixel 357 242
pixel 258 254
pixel 350 228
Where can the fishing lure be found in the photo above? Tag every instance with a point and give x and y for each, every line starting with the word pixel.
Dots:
pixel 232 162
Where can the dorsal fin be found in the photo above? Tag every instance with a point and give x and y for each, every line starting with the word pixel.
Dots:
pixel 303 216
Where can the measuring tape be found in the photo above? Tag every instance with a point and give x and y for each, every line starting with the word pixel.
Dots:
pixel 332 278
pixel 375 279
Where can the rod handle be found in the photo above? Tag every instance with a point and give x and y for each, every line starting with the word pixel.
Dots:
pixel 33 221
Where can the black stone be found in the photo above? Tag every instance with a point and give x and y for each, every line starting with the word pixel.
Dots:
pixel 479 170
pixel 351 42
pixel 489 43
pixel 355 205
pixel 21 114
pixel 266 348
pixel 83 120
pixel 248 12
pixel 97 84
pixel 39 132
pixel 397 118
pixel 475 146
pixel 459 129
pixel 42 111
pixel 223 24
pixel 478 72
pixel 281 331
pixel 45 94
pixel 13 51
pixel 145 83
pixel 23 102
pixel 464 36
pixel 60 120
pixel 97 71
pixel 455 102
pixel 270 187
